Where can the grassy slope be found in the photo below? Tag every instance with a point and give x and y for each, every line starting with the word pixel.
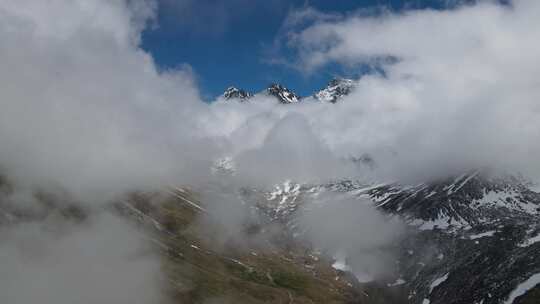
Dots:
pixel 198 273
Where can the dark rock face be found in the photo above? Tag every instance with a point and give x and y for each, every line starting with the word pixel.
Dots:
pixel 283 94
pixel 473 238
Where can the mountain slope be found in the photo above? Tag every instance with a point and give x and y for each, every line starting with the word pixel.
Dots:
pixel 474 238
pixel 200 264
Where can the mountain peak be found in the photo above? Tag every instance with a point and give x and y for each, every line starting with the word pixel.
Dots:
pixel 282 93
pixel 336 88
pixel 234 92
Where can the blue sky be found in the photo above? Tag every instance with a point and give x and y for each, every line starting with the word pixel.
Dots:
pixel 228 42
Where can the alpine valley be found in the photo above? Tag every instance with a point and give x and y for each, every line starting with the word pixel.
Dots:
pixel 472 238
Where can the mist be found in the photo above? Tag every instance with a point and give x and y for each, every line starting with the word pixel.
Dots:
pixel 86 113
pixel 84 107
pixel 351 231
pixel 103 261
pixel 459 88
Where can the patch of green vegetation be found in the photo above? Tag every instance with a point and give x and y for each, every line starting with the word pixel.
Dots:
pixel 176 217
pixel 290 280
pixel 254 276
pixel 208 286
pixel 199 271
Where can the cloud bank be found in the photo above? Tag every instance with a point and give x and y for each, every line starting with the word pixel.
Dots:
pixel 459 87
pixel 104 262
pixel 85 110
pixel 83 106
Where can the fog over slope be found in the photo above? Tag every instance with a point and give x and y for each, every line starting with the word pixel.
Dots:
pixel 85 109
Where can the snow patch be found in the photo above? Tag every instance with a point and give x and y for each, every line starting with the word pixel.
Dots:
pixel 481 235
pixel 530 241
pixel 437 282
pixel 506 199
pixel 398 282
pixel 522 288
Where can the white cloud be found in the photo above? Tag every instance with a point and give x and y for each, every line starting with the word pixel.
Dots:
pixel 104 262
pixel 84 106
pixel 85 109
pixel 463 90
pixel 356 233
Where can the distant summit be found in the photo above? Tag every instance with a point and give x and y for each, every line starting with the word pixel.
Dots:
pixel 336 89
pixel 283 94
pixel 233 92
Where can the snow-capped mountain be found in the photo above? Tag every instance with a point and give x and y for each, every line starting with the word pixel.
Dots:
pixel 283 94
pixel 233 92
pixel 474 238
pixel 336 89
pixel 471 239
pixel 474 226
